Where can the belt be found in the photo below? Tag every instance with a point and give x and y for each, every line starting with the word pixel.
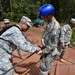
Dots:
pixel 46 54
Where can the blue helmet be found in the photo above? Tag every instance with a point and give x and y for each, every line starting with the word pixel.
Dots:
pixel 46 9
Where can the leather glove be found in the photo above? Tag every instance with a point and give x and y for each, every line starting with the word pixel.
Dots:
pixel 62 46
pixel 39 52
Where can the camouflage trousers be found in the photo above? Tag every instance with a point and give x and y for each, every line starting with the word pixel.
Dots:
pixel 46 64
pixel 5 67
pixel 11 72
pixel 63 52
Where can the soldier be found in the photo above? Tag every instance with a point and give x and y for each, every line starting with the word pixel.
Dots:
pixel 10 39
pixel 65 37
pixel 7 23
pixel 49 39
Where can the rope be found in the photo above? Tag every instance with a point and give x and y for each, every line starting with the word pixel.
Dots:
pixel 55 68
pixel 24 73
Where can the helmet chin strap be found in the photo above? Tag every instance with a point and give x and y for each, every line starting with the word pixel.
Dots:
pixel 49 20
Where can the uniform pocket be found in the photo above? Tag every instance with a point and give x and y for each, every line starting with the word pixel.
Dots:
pixel 53 39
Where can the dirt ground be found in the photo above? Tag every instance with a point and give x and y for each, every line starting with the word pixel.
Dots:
pixel 31 65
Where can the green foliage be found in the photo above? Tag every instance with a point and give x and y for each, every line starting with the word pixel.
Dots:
pixel 15 9
pixel 73 35
pixel 58 4
pixel 68 9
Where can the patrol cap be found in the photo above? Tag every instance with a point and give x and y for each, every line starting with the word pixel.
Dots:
pixel 6 21
pixel 72 20
pixel 26 20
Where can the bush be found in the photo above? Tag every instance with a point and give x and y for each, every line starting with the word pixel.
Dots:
pixel 73 36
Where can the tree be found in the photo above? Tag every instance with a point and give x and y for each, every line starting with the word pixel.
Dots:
pixel 58 9
pixel 15 9
pixel 68 9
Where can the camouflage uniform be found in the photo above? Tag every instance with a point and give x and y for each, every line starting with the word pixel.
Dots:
pixel 65 38
pixel 50 42
pixel 7 23
pixel 12 38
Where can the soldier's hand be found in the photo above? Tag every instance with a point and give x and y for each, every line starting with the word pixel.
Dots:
pixel 69 45
pixel 41 47
pixel 39 52
pixel 62 46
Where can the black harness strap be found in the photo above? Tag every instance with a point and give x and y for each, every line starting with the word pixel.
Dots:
pixel 8 27
pixel 5 29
